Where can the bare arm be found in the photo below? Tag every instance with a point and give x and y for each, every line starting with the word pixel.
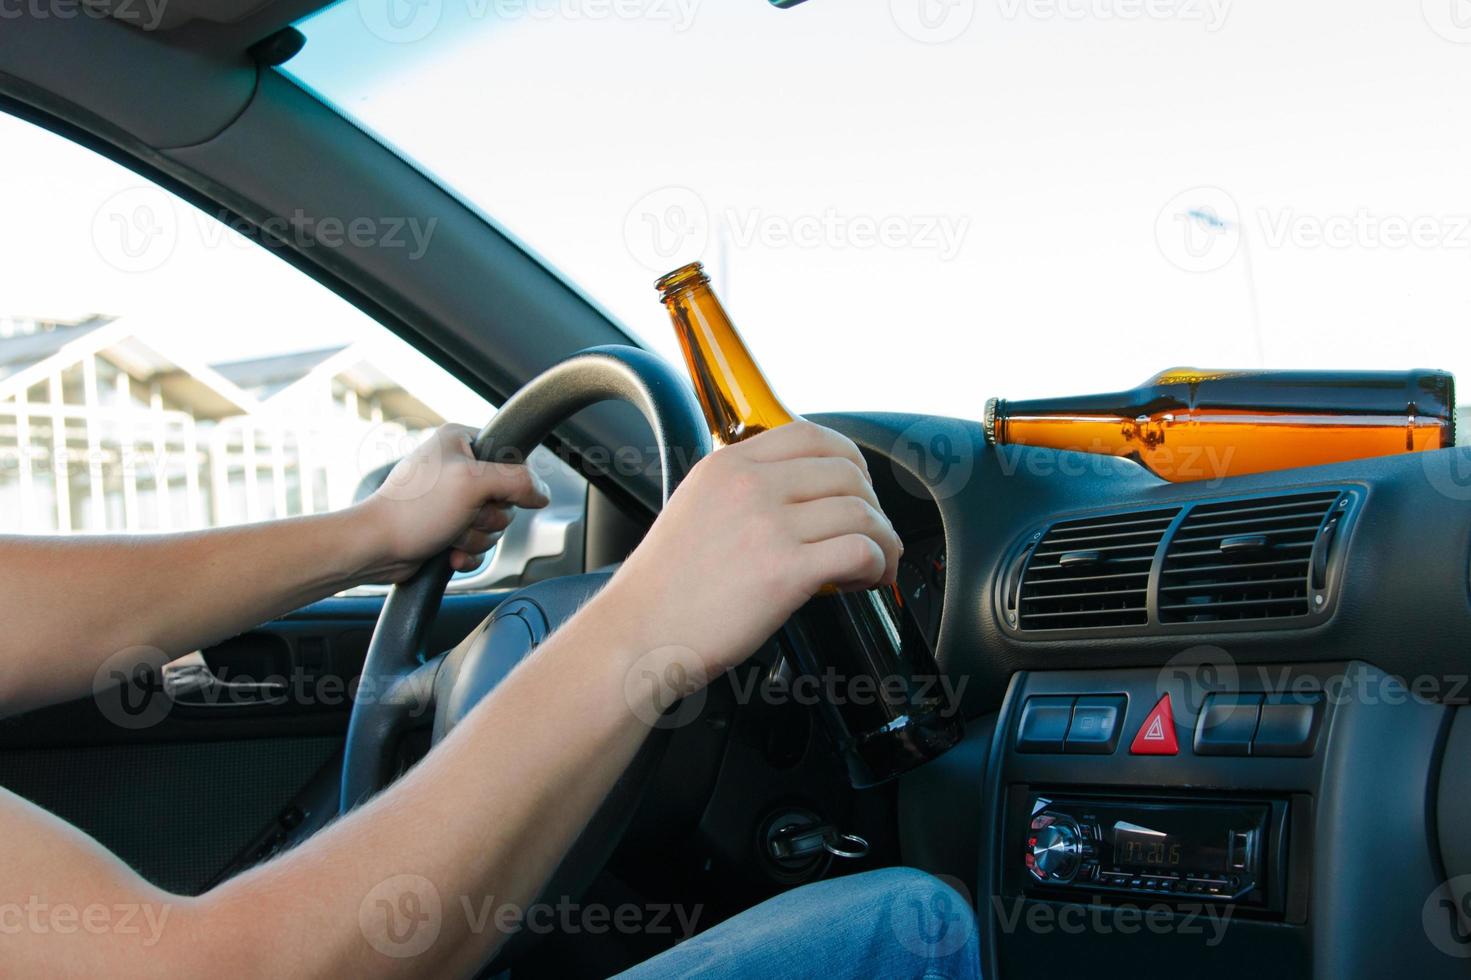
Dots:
pixel 474 821
pixel 70 604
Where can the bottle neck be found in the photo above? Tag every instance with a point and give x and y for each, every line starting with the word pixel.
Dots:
pixel 737 401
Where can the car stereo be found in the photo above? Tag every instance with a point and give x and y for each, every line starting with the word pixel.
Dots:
pixel 1197 849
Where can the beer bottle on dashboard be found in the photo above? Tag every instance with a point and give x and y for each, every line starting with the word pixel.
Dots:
pixel 897 718
pixel 1187 425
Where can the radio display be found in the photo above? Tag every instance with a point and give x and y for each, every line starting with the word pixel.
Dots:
pixel 1157 846
pixel 1146 849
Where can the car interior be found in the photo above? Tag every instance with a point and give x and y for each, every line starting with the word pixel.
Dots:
pixel 1321 741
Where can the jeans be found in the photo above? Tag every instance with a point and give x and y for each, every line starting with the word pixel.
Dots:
pixel 897 922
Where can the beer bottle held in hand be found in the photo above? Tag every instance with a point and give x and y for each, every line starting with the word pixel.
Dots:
pixel 896 716
pixel 1205 425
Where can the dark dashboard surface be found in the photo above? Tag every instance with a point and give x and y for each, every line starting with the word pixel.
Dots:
pixel 1402 601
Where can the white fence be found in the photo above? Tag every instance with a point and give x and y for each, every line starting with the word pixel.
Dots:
pixel 122 466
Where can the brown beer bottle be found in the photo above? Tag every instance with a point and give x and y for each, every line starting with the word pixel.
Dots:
pixel 1205 425
pixel 881 697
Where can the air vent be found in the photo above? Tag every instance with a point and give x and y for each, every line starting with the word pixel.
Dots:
pixel 1243 559
pixel 1093 572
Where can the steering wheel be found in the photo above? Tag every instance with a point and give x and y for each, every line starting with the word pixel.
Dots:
pixel 402 680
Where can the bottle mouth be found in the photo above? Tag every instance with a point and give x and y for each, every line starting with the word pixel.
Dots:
pixel 682 278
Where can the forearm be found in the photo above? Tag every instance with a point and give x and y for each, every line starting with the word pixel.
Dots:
pixel 71 603
pixel 484 818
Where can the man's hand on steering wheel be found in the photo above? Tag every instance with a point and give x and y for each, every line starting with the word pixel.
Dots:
pixel 440 496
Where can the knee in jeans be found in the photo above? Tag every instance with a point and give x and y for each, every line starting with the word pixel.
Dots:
pixel 910 885
pixel 929 917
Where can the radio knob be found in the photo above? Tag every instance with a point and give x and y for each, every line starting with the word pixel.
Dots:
pixel 1055 851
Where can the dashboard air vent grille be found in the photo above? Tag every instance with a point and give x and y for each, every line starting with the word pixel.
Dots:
pixel 1243 559
pixel 1093 572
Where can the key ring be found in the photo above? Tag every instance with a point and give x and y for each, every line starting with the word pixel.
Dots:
pixel 856 847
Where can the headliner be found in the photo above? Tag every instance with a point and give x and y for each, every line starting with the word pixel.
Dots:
pixel 213 26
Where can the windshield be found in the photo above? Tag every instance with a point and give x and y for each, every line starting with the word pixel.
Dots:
pixel 913 205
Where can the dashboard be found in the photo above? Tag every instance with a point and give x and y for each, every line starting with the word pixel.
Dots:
pixel 1401 596
pixel 1233 704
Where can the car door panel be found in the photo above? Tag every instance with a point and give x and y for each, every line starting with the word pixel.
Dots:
pixel 195 793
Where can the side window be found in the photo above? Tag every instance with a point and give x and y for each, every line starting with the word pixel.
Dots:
pixel 160 371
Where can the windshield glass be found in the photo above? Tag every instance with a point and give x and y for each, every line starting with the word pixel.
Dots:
pixel 913 205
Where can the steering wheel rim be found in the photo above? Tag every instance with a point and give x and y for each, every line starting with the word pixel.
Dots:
pixel 398 678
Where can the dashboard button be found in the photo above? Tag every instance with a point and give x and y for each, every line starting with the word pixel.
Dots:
pixel 1156 736
pixel 1289 725
pixel 1227 723
pixel 1097 720
pixel 1044 724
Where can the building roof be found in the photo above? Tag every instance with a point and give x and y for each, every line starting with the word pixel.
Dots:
pixel 20 351
pixel 268 375
pixel 27 359
pixel 277 383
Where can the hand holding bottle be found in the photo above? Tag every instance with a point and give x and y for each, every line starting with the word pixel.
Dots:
pixel 861 638
pixel 755 531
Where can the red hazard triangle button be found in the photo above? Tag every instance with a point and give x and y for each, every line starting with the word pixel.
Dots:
pixel 1157 734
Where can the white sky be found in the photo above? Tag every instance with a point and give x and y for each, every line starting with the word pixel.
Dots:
pixel 1059 144
pixel 177 273
pixel 220 294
